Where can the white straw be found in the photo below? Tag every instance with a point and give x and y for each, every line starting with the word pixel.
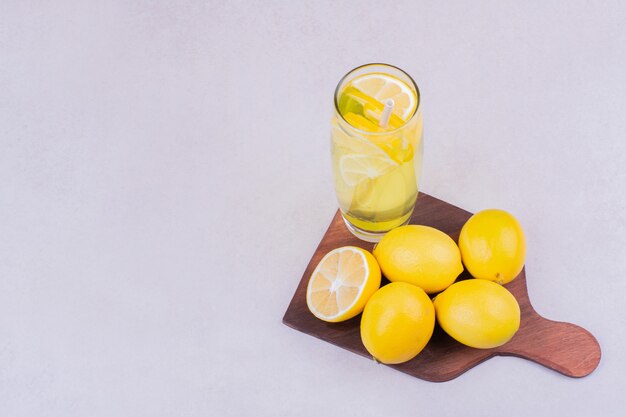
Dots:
pixel 384 119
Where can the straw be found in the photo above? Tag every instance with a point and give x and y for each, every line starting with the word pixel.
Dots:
pixel 384 119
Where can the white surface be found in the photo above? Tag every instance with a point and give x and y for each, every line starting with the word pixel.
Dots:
pixel 157 209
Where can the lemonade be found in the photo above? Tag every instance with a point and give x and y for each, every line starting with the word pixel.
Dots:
pixel 376 158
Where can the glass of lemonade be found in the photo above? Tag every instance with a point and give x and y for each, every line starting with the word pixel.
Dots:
pixel 376 148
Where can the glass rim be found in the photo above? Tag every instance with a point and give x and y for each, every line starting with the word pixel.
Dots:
pixel 365 132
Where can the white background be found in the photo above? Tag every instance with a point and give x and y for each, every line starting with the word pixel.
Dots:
pixel 165 178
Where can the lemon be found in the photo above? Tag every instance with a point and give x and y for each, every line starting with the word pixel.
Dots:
pixel 355 169
pixel 397 148
pixel 361 122
pixel 361 101
pixel 361 105
pixel 493 246
pixel 478 313
pixel 419 255
pixel 341 284
pixel 383 87
pixel 352 144
pixel 397 322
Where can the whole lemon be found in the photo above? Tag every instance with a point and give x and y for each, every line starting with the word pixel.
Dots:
pixel 397 322
pixel 419 255
pixel 478 313
pixel 493 246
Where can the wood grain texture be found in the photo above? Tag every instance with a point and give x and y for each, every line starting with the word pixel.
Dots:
pixel 563 347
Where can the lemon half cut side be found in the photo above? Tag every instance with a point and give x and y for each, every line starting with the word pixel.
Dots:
pixel 341 284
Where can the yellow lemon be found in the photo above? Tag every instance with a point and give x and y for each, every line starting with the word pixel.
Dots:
pixel 341 284
pixel 478 313
pixel 397 322
pixel 382 87
pixel 493 246
pixel 361 101
pixel 355 169
pixel 419 255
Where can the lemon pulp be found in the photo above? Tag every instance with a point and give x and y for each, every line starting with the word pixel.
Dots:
pixel 341 283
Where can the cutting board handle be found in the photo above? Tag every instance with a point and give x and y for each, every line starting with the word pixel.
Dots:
pixel 564 347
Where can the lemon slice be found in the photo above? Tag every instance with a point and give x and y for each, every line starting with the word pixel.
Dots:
pixel 342 283
pixel 362 123
pixel 383 87
pixel 357 168
pixel 354 144
pixel 394 146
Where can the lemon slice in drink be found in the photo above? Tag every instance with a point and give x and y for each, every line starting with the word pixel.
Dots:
pixel 383 87
pixel 342 283
pixel 355 169
pixel 352 143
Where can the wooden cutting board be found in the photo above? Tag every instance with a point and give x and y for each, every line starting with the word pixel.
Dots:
pixel 563 347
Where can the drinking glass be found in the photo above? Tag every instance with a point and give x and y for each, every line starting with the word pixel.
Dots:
pixel 376 148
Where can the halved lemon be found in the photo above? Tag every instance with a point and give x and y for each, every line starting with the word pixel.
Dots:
pixel 355 169
pixel 342 283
